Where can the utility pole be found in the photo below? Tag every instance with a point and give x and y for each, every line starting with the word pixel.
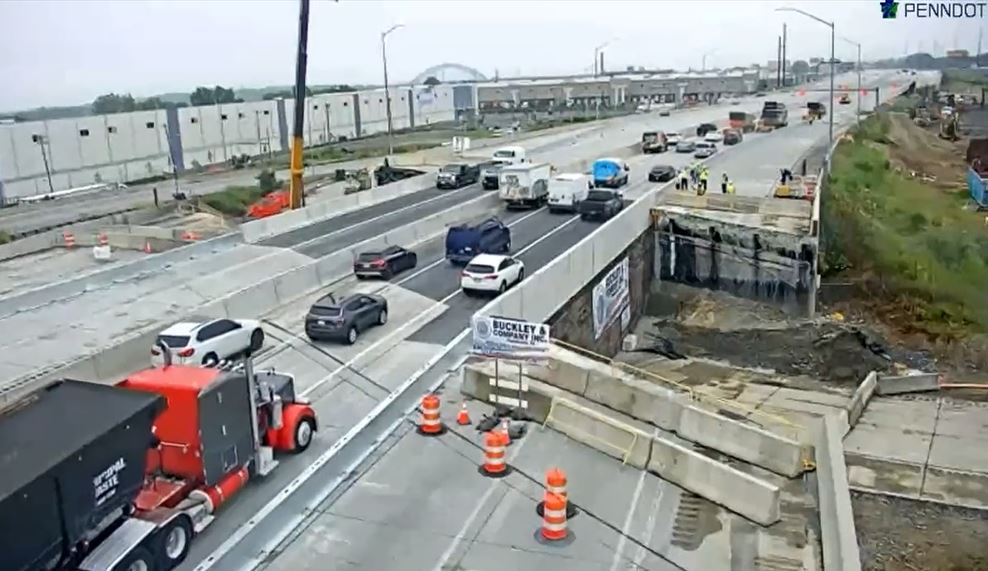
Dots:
pixel 833 60
pixel 860 95
pixel 296 192
pixel 387 91
pixel 601 63
pixel 977 54
pixel 778 67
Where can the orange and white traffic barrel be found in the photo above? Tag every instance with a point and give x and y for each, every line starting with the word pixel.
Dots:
pixel 553 528
pixel 68 238
pixel 430 425
pixel 495 462
pixel 102 239
pixel 555 483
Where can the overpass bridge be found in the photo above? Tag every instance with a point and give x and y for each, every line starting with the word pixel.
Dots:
pixel 372 492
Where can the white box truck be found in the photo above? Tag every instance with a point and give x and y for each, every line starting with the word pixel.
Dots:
pixel 525 185
pixel 567 190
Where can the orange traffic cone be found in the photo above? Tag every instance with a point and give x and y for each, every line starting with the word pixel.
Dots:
pixel 463 417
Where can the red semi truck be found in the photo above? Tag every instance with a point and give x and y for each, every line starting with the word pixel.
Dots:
pixel 121 478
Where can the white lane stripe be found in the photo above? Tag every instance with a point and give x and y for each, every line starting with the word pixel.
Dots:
pixel 626 526
pixel 443 259
pixel 417 318
pixel 461 534
pixel 241 532
pixel 443 196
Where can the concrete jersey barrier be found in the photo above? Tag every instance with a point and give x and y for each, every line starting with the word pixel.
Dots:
pixel 258 298
pixel 838 536
pixel 257 230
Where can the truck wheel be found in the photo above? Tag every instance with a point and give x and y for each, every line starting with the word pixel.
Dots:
pixel 303 434
pixel 174 542
pixel 139 559
pixel 256 340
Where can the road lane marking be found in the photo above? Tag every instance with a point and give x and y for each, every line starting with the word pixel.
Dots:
pixel 626 526
pixel 306 243
pixel 443 259
pixel 415 319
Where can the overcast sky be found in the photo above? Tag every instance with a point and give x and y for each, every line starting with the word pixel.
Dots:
pixel 56 52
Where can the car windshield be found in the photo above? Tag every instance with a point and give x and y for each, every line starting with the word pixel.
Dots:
pixel 451 168
pixel 174 341
pixel 599 195
pixel 479 269
pixel 369 256
pixel 662 168
pixel 504 154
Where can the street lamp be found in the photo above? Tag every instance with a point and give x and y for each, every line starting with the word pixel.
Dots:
pixel 832 59
pixel 596 53
pixel 387 92
pixel 854 43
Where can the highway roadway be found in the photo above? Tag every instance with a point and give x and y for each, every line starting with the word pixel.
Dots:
pixel 417 504
pixel 62 328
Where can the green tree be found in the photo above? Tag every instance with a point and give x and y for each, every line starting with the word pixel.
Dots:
pixel 267 182
pixel 150 103
pixel 113 103
pixel 431 81
pixel 214 95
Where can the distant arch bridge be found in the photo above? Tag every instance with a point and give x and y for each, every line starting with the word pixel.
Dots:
pixel 440 70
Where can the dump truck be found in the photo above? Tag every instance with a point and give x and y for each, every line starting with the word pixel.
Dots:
pixel 525 185
pixel 120 477
pixel 654 142
pixel 774 115
pixel 744 122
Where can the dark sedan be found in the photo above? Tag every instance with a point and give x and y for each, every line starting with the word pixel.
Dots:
pixel 662 173
pixel 705 128
pixel 384 264
pixel 345 320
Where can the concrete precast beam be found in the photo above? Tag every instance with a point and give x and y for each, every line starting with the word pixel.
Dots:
pixel 859 400
pixel 296 283
pixel 921 383
pixel 838 537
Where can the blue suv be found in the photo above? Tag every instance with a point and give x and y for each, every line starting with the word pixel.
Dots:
pixel 463 242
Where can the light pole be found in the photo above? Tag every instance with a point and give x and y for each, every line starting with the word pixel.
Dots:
pixel 387 92
pixel 703 61
pixel 596 53
pixel 856 44
pixel 832 59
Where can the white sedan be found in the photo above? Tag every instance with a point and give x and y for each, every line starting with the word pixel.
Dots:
pixel 714 137
pixel 208 342
pixel 491 273
pixel 673 138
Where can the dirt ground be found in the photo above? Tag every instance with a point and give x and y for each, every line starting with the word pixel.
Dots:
pixel 745 333
pixel 903 535
pixel 921 153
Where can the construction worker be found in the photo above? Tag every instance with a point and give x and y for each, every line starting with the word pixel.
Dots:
pixel 723 183
pixel 786 176
pixel 684 180
pixel 730 187
pixel 703 179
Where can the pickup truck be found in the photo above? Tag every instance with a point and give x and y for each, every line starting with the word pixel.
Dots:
pixel 601 204
pixel 457 175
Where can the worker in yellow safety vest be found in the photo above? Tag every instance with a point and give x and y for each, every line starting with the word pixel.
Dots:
pixel 703 180
pixel 730 187
pixel 723 183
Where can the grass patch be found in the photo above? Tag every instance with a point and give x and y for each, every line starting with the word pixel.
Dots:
pixel 5 237
pixel 917 247
pixel 233 200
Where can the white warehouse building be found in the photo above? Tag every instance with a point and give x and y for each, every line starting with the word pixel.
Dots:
pixel 127 147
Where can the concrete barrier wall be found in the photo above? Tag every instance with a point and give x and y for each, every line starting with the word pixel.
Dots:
pixel 921 383
pixel 838 536
pixel 46 294
pixel 578 419
pixel 255 299
pixel 258 230
pixel 673 412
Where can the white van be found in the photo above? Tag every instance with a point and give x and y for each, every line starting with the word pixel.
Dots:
pixel 566 190
pixel 509 155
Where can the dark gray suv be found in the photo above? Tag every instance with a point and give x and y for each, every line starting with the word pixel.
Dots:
pixel 344 320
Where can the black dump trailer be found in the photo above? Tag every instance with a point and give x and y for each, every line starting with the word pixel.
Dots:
pixel 72 461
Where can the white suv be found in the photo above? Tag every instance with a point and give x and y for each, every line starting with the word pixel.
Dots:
pixel 491 273
pixel 208 343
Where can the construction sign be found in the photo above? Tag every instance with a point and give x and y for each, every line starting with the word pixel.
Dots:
pixel 509 338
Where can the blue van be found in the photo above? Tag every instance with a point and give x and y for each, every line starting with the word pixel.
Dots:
pixel 465 241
